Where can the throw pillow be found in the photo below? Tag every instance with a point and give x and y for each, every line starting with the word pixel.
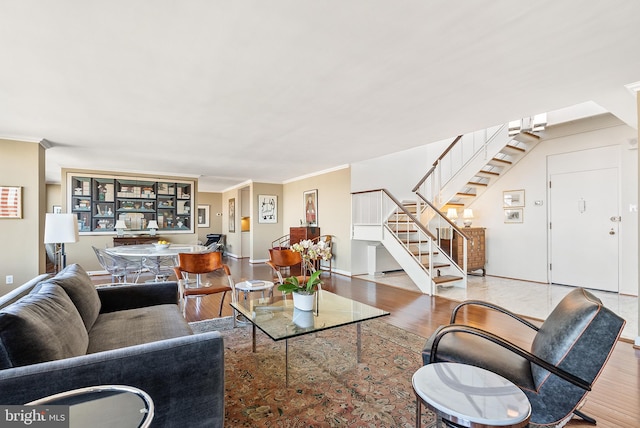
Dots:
pixel 76 282
pixel 42 326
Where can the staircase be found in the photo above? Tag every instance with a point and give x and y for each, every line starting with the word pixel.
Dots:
pixel 411 230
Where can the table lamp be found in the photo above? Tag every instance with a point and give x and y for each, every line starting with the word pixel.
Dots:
pixel 452 214
pixel 152 226
pixel 120 227
pixel 60 229
pixel 467 215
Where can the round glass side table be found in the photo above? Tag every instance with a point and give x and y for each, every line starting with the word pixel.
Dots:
pixel 466 396
pixel 104 406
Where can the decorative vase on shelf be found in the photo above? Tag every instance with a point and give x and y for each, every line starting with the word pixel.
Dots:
pixel 304 301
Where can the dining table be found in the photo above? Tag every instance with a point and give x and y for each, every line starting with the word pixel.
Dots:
pixel 159 260
pixel 150 250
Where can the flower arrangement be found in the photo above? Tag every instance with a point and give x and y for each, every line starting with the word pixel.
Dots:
pixel 310 251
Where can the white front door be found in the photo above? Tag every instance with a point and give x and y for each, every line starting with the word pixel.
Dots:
pixel 584 228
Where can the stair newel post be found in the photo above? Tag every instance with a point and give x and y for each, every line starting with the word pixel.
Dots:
pixel 464 252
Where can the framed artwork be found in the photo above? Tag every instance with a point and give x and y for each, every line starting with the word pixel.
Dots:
pixel 57 209
pixel 513 215
pixel 203 215
pixel 232 215
pixel 513 198
pixel 10 202
pixel 311 207
pixel 267 209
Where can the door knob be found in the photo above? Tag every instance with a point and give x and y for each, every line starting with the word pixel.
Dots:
pixel 612 232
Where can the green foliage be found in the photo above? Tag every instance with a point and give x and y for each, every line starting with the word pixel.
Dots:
pixel 291 284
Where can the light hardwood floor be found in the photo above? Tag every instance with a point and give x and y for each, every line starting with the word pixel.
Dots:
pixel 614 400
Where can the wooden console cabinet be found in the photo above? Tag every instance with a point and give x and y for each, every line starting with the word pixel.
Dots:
pixel 297 234
pixel 134 240
pixel 476 248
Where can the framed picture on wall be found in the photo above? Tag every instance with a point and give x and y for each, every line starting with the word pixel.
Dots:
pixel 267 209
pixel 513 215
pixel 232 215
pixel 10 202
pixel 513 198
pixel 311 207
pixel 203 215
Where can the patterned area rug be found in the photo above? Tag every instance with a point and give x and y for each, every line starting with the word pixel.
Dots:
pixel 327 387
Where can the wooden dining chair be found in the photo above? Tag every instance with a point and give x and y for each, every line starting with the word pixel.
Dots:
pixel 200 264
pixel 285 261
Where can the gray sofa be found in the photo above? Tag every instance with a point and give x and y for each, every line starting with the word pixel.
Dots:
pixel 61 333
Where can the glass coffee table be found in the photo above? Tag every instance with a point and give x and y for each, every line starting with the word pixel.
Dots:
pixel 278 319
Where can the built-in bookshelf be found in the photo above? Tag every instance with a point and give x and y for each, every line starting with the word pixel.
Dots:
pixel 100 201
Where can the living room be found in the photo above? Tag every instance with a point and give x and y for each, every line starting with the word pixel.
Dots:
pixel 281 106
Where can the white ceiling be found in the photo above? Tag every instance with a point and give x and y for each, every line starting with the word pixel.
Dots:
pixel 238 90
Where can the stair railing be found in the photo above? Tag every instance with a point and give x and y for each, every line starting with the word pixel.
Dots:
pixel 379 211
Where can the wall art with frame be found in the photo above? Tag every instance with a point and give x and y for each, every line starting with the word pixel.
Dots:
pixel 232 215
pixel 310 198
pixel 513 215
pixel 267 208
pixel 513 198
pixel 10 202
pixel 203 215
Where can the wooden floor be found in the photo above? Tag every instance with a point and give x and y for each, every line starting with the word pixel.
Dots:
pixel 614 400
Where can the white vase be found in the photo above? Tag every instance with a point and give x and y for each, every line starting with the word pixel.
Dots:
pixel 303 319
pixel 304 302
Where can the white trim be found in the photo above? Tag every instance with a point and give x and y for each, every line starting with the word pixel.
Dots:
pixel 21 138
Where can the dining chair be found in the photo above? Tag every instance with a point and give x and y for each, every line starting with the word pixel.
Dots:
pixel 119 267
pixel 200 264
pixel 160 266
pixel 284 261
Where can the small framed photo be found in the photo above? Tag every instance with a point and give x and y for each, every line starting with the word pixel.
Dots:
pixel 311 207
pixel 513 215
pixel 267 209
pixel 57 209
pixel 10 202
pixel 513 198
pixel 203 215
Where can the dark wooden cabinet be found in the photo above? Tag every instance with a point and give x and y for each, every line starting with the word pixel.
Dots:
pixel 297 234
pixel 134 240
pixel 476 248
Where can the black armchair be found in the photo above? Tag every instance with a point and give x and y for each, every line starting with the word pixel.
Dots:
pixel 566 355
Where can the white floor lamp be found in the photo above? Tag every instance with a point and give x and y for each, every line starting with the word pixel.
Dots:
pixel 60 229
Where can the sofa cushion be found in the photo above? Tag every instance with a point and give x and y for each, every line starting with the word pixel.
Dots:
pixel 131 327
pixel 76 282
pixel 42 326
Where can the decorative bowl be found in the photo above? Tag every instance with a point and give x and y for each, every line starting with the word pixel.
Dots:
pixel 161 246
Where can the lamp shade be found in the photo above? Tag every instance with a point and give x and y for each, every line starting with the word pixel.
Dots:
pixel 468 213
pixel 152 224
pixel 60 228
pixel 120 224
pixel 452 213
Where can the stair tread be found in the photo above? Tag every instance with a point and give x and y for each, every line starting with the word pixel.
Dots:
pixel 489 172
pixel 514 148
pixel 466 195
pixel 477 183
pixel 437 265
pixel 501 161
pixel 445 278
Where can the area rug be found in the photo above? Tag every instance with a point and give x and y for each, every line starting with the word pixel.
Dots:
pixel 218 324
pixel 327 387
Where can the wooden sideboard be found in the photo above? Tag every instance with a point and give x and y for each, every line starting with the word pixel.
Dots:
pixel 476 248
pixel 297 234
pixel 134 240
